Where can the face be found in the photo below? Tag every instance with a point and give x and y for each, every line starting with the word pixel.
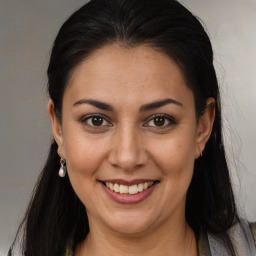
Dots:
pixel 130 137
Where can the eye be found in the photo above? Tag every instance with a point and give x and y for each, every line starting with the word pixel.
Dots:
pixel 95 121
pixel 160 121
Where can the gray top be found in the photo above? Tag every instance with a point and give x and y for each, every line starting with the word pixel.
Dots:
pixel 243 238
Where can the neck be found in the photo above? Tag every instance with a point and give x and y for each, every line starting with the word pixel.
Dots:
pixel 176 238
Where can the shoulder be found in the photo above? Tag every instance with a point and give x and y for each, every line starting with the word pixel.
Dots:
pixel 252 226
pixel 241 237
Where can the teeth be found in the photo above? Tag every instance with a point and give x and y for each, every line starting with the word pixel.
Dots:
pixel 116 188
pixel 140 187
pixel 124 189
pixel 145 185
pixel 132 190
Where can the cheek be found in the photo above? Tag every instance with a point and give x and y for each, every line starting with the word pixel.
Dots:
pixel 84 154
pixel 175 160
pixel 175 156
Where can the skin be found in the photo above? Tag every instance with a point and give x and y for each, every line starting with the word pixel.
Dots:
pixel 130 144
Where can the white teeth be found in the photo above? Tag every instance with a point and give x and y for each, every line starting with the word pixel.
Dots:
pixel 124 189
pixel 132 190
pixel 116 188
pixel 145 185
pixel 140 187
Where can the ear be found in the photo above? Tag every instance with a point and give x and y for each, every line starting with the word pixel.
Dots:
pixel 56 128
pixel 205 124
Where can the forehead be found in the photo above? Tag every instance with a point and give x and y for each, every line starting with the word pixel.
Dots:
pixel 130 74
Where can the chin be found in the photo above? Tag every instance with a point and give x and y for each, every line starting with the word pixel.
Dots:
pixel 130 225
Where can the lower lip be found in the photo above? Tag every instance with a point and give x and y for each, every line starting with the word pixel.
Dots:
pixel 129 199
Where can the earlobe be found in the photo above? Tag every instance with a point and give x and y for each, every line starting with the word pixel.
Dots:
pixel 205 125
pixel 56 126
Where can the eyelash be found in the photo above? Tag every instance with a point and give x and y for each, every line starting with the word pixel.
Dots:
pixel 170 120
pixel 85 119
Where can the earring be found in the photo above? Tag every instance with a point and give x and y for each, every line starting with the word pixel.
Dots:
pixel 63 169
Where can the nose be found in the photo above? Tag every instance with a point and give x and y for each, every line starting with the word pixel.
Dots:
pixel 127 149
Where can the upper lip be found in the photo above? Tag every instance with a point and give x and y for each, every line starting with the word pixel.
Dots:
pixel 127 182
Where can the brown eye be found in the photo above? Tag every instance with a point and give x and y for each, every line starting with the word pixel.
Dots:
pixel 159 121
pixel 97 121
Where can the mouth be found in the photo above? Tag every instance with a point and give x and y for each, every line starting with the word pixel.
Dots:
pixel 123 188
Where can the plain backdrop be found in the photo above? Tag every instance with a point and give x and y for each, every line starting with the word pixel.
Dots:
pixel 27 30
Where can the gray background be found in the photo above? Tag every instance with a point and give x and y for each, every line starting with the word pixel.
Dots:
pixel 27 30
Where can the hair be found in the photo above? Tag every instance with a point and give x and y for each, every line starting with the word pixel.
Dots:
pixel 55 214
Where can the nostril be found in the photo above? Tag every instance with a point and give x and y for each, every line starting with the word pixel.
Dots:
pixel 115 165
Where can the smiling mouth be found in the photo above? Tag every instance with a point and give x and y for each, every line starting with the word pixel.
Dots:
pixel 129 190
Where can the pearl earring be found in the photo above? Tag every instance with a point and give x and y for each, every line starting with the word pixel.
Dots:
pixel 63 169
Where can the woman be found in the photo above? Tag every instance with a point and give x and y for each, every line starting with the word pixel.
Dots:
pixel 137 166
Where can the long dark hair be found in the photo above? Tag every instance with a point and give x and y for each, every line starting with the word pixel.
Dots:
pixel 55 214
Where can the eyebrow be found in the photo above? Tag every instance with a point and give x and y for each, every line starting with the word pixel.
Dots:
pixel 146 107
pixel 95 103
pixel 159 104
